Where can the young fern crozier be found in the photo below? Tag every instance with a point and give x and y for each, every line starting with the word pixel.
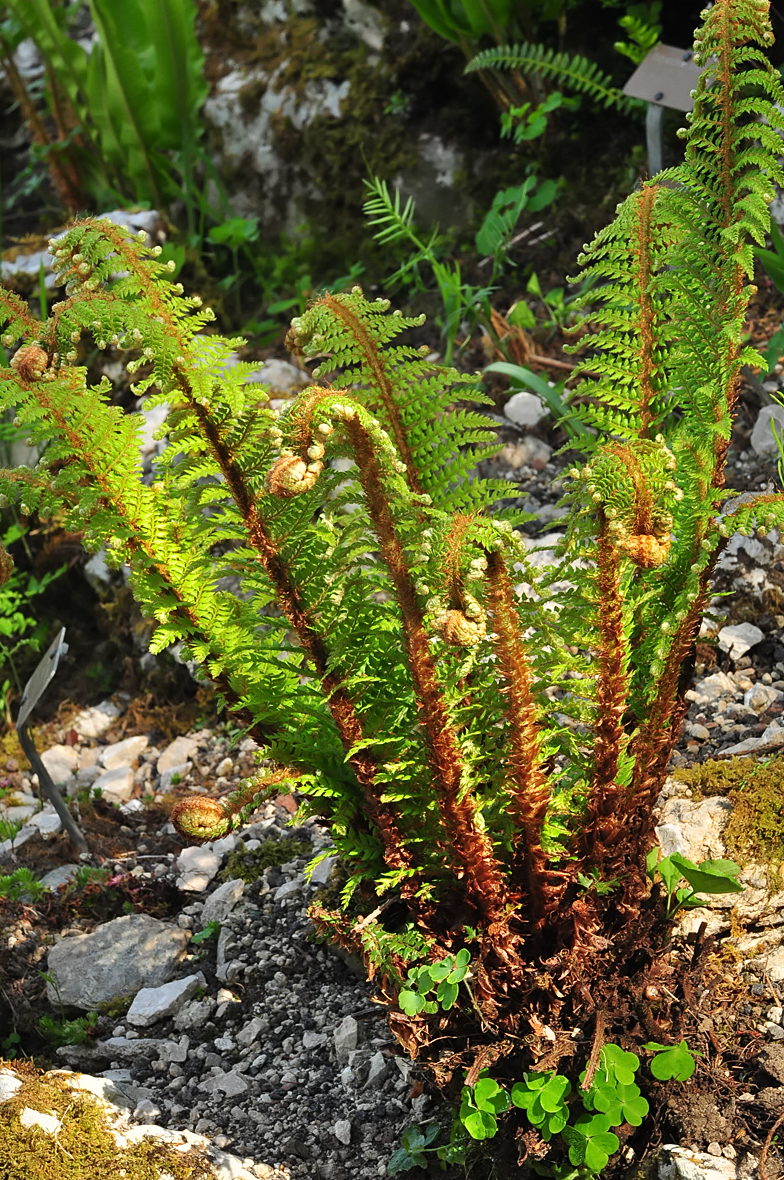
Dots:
pixel 485 733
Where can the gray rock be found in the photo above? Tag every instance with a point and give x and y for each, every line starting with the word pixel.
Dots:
pixel 123 753
pixel 281 377
pixel 288 889
pixel 231 1084
pixel 61 762
pixel 378 1070
pixel 9 1084
pixel 761 696
pixel 323 871
pixel 147 1111
pixel 251 1032
pixel 699 732
pixel 739 638
pixel 712 688
pixel 49 1123
pixel 176 753
pixel 46 821
pixel 59 876
pixel 312 1040
pixel 525 409
pixel 763 441
pixel 92 723
pixel 117 959
pixel 173 1051
pixel 774 967
pixel 342 1131
pixel 693 828
pixel 116 785
pixel 107 1090
pixel 194 1014
pixel 152 1004
pixel 346 1038
pixel 178 773
pixel 200 863
pixel 679 1163
pixel 219 904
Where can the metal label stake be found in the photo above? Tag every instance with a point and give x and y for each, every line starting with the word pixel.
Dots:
pixel 665 78
pixel 34 690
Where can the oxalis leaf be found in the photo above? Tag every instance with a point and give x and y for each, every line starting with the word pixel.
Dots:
pixel 672 1062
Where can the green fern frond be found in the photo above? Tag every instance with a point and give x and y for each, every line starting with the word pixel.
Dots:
pixel 571 71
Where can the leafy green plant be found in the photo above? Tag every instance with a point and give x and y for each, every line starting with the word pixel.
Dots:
pixel 543 1098
pixel 461 301
pixel 418 1144
pixel 478 730
pixel 211 930
pixel 568 71
pixel 671 1062
pixel 481 1105
pixel 21 885
pixel 127 112
pixel 498 227
pixel 68 1032
pixel 20 630
pixel 641 23
pixel 710 876
pixel 9 1046
pixel 443 977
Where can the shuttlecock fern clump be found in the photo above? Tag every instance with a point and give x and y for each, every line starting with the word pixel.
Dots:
pixel 484 737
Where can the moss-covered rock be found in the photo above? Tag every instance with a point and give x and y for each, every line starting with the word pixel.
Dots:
pixel 80 1141
pixel 755 829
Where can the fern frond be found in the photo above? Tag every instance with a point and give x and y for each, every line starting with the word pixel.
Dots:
pixel 572 71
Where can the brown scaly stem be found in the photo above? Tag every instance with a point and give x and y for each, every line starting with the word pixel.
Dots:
pixel 600 819
pixel 471 847
pixel 375 362
pixel 527 784
pixel 642 252
pixel 341 706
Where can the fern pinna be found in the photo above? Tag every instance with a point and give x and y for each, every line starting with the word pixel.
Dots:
pixel 485 736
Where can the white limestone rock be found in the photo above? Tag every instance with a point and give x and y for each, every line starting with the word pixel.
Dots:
pixel 525 409
pixel 94 722
pixel 116 786
pixel 61 762
pixel 152 1004
pixel 176 753
pixel 123 753
pixel 219 904
pixel 117 959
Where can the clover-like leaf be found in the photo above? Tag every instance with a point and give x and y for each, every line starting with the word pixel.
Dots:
pixel 617 1063
pixel 411 1002
pixel 672 1062
pixel 553 1094
pixel 460 969
pixel 441 969
pixel 488 1095
pixel 447 994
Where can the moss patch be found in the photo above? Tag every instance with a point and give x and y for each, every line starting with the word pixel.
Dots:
pixel 756 827
pixel 84 1145
pixel 248 866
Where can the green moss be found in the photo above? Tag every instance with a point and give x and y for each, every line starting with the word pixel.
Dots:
pixel 115 1008
pixel 84 1145
pixel 755 831
pixel 248 866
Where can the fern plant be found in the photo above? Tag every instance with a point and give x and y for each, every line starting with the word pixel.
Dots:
pixel 484 736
